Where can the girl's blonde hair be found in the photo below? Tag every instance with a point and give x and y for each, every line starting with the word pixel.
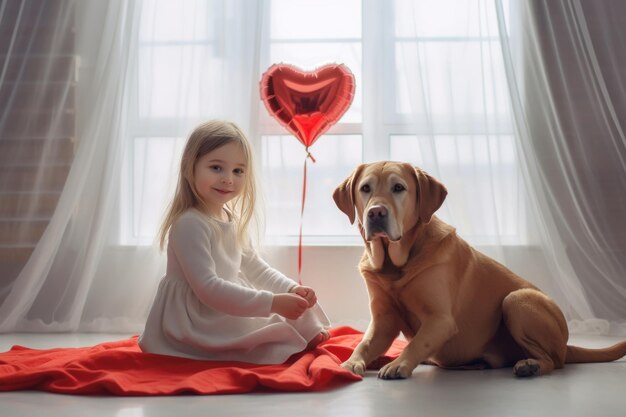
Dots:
pixel 206 138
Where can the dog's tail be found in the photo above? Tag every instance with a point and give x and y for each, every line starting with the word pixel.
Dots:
pixel 577 354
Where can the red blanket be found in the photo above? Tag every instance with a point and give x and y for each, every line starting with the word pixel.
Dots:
pixel 120 368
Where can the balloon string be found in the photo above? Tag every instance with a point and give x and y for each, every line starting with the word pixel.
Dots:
pixel 308 155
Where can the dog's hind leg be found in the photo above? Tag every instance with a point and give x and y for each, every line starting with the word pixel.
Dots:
pixel 537 325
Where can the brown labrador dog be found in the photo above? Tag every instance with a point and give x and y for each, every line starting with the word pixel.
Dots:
pixel 457 307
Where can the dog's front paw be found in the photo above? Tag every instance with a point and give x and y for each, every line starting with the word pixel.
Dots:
pixel 356 367
pixel 397 369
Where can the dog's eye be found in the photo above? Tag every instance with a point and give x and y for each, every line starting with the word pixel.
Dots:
pixel 398 188
pixel 365 188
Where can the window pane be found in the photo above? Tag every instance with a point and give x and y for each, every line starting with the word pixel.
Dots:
pixel 308 56
pixel 181 20
pixel 173 80
pixel 453 79
pixel 445 18
pixel 283 162
pixel 148 182
pixel 481 175
pixel 315 19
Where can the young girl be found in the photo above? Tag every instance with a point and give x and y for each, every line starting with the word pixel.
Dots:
pixel 218 299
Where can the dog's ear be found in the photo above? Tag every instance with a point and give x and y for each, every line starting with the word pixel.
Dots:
pixel 344 193
pixel 430 194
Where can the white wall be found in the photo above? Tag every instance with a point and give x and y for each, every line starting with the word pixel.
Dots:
pixel 332 271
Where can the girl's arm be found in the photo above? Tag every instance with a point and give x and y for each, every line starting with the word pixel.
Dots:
pixel 190 239
pixel 263 276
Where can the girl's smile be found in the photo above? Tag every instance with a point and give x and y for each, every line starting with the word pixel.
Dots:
pixel 219 176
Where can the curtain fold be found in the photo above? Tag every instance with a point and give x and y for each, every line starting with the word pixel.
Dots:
pixel 566 82
pixel 53 288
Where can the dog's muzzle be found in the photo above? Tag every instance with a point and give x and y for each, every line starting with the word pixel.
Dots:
pixel 377 222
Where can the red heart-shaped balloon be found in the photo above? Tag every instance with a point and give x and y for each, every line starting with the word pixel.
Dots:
pixel 307 103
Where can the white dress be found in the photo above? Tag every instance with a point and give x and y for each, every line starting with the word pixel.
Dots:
pixel 214 301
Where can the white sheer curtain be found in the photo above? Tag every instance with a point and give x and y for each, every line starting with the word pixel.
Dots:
pixel 74 279
pixel 565 69
pixel 435 83
pixel 450 114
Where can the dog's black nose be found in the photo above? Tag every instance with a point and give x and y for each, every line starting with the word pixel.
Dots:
pixel 377 212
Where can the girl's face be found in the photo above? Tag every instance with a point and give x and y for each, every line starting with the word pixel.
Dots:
pixel 219 176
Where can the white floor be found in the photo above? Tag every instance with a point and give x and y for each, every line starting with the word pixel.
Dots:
pixel 596 390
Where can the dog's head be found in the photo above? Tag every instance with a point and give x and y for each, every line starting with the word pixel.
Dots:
pixel 389 198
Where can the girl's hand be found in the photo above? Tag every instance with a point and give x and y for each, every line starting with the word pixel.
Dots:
pixel 290 306
pixel 305 292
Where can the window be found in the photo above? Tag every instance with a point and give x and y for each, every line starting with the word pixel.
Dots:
pixel 430 89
